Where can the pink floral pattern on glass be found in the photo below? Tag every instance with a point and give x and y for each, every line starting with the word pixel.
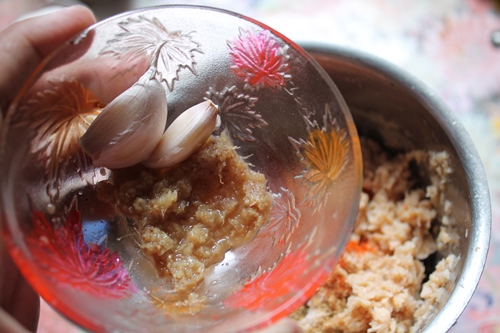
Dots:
pixel 66 258
pixel 259 59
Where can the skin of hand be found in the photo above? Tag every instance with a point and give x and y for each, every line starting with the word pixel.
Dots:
pixel 22 46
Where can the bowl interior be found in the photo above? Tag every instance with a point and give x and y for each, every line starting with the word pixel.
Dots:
pixel 403 115
pixel 277 106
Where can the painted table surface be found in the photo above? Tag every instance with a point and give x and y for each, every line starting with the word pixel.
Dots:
pixel 447 44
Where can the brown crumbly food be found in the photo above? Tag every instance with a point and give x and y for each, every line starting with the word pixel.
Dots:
pixel 377 284
pixel 189 216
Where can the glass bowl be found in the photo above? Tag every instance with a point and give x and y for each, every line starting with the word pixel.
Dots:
pixel 278 107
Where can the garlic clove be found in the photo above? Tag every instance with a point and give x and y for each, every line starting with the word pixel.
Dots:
pixel 218 123
pixel 129 128
pixel 185 135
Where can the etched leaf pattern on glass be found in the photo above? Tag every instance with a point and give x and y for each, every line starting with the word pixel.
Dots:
pixel 284 219
pixel 324 155
pixel 174 50
pixel 237 112
pixel 59 115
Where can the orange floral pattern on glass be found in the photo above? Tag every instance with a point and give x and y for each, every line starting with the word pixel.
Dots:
pixel 259 59
pixel 67 259
pixel 324 154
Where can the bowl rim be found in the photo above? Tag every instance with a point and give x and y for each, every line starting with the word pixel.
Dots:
pixel 480 232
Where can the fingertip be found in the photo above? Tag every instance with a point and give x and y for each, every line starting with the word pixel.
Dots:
pixel 288 325
pixel 46 31
pixel 285 325
pixel 51 30
pixel 25 43
pixel 85 16
pixel 83 12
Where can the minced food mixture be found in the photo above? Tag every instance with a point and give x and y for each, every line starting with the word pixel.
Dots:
pixel 377 285
pixel 189 216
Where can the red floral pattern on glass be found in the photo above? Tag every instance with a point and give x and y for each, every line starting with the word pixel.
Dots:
pixel 259 59
pixel 67 259
pixel 269 288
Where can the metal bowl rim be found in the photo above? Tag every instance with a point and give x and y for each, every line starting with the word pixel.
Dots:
pixel 480 232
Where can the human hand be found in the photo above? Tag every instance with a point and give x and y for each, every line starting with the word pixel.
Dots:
pixel 22 46
pixel 283 326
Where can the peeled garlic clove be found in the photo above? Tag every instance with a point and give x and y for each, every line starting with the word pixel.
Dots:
pixel 218 123
pixel 184 136
pixel 129 128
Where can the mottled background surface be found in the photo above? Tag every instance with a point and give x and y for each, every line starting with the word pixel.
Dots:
pixel 447 44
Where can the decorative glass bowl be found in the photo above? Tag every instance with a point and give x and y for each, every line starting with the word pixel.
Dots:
pixel 278 107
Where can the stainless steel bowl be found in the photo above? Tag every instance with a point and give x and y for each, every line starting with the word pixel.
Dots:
pixel 401 113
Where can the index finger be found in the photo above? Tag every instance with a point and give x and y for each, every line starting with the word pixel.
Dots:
pixel 24 44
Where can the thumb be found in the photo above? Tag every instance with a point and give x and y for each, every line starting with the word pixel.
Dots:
pixel 25 43
pixel 285 325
